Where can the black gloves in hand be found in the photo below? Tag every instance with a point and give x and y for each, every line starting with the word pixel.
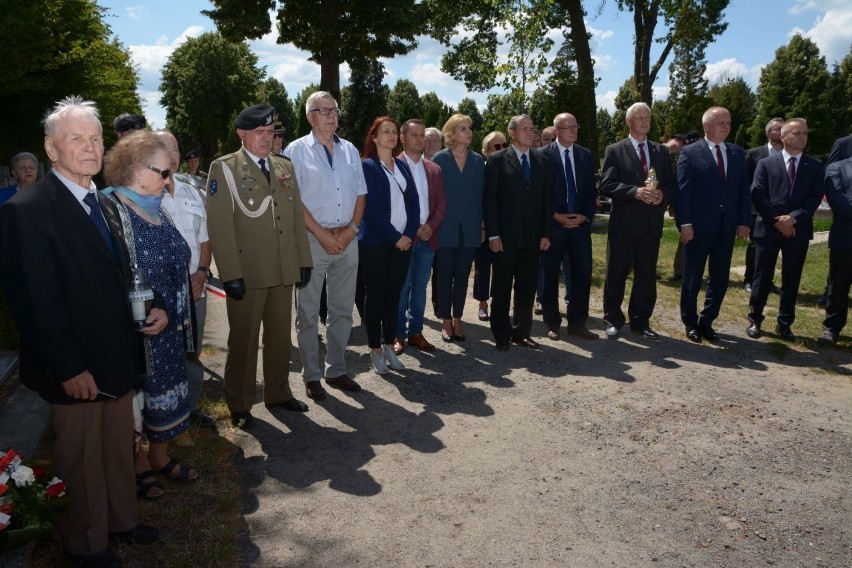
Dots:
pixel 235 289
pixel 304 277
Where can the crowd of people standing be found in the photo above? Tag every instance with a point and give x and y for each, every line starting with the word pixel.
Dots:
pixel 302 222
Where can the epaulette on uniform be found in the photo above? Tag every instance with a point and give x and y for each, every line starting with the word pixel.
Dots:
pixel 283 157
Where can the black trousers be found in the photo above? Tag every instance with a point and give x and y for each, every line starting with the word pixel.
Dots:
pixel 766 255
pixel 642 253
pixel 385 268
pixel 840 279
pixel 515 270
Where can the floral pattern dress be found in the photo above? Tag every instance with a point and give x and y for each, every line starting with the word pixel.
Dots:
pixel 163 256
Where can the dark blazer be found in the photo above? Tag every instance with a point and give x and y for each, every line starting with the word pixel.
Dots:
pixel 840 150
pixel 66 293
pixel 463 190
pixel 753 156
pixel 437 197
pixel 377 228
pixel 838 192
pixel 622 175
pixel 703 199
pixel 584 174
pixel 769 193
pixel 517 211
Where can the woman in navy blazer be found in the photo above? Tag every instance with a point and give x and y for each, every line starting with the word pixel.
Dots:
pixel 391 219
pixel 460 234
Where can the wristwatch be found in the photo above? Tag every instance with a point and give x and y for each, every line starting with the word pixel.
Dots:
pixel 355 228
pixel 206 271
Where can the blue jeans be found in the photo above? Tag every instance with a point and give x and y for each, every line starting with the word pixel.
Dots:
pixel 412 300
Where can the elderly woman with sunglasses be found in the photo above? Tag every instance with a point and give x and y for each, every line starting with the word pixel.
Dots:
pixel 459 235
pixel 137 169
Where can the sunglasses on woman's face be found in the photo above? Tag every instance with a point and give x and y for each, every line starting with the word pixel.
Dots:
pixel 164 173
pixel 499 146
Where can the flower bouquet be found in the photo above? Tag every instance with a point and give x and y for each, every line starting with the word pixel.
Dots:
pixel 27 497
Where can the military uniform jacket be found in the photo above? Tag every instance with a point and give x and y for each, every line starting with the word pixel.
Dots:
pixel 265 249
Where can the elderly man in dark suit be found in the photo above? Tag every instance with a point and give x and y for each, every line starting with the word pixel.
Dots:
pixel 753 156
pixel 573 195
pixel 65 271
pixel 786 191
pixel 838 191
pixel 517 210
pixel 636 222
pixel 713 208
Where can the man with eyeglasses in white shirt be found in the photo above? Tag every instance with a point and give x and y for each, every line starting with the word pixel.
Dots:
pixel 333 191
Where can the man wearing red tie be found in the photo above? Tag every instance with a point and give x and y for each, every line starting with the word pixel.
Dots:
pixel 786 190
pixel 712 210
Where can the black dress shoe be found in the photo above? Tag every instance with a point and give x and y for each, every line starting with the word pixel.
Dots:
pixel 785 332
pixel 775 289
pixel 242 419
pixel 140 534
pixel 709 333
pixel 294 405
pixel 314 390
pixel 502 345
pixel 459 337
pixel 201 420
pixel 526 342
pixel 611 332
pixel 646 332
pixel 106 558
pixel 693 334
pixel 580 331
pixel 343 382
pixel 753 331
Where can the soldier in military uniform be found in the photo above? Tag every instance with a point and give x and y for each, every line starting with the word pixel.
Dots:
pixel 257 230
pixel 193 175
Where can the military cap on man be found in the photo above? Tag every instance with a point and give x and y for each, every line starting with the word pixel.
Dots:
pixel 256 116
pixel 279 126
pixel 191 154
pixel 126 122
pixel 689 137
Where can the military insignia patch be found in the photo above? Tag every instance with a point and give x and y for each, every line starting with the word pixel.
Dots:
pixel 213 187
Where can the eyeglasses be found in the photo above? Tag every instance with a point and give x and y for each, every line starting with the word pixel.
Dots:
pixel 326 111
pixel 548 140
pixel 164 173
pixel 499 146
pixel 569 127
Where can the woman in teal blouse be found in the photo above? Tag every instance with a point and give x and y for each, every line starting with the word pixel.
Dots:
pixel 463 171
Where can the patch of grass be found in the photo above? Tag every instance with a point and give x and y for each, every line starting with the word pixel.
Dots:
pixel 778 350
pixel 199 522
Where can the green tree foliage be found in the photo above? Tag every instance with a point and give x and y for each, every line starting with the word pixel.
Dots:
pixel 332 31
pixel 736 95
pixel 695 23
pixel 435 111
pixel 469 107
pixel 687 99
pixel 52 49
pixel 498 111
pixel 364 100
pixel 206 82
pixel 273 92
pixel 660 113
pixel 302 124
pixel 605 135
pixel 404 101
pixel 626 96
pixel 794 84
pixel 840 96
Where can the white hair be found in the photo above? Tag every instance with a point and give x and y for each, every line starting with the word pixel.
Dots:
pixel 316 96
pixel 71 105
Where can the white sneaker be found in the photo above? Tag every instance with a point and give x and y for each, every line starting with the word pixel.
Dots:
pixel 378 362
pixel 391 358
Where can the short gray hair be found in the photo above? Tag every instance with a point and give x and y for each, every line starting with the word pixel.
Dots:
pixel 513 122
pixel 432 129
pixel 20 157
pixel 785 128
pixel 316 96
pixel 71 105
pixel 771 122
pixel 632 109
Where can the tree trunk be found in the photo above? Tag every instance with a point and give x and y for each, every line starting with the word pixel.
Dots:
pixel 585 73
pixel 330 75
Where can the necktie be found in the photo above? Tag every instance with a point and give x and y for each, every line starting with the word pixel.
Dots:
pixel 525 167
pixel 569 178
pixel 791 173
pixel 642 157
pixel 98 219
pixel 262 163
pixel 720 163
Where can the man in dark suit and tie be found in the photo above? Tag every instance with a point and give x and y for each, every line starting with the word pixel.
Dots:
pixel 65 272
pixel 786 191
pixel 573 195
pixel 840 150
pixel 517 211
pixel 838 191
pixel 713 208
pixel 636 222
pixel 753 156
